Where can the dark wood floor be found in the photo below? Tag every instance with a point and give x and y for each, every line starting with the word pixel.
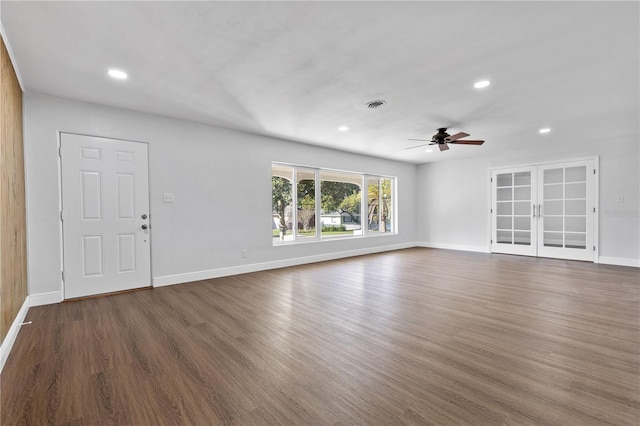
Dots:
pixel 417 336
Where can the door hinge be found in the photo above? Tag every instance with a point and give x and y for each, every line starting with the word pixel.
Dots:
pixel 491 241
pixel 491 179
pixel 594 209
pixel 594 171
pixel 61 218
pixel 59 151
pixel 491 210
pixel 594 248
pixel 62 275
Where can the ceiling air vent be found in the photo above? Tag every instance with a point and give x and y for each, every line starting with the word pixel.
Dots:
pixel 375 104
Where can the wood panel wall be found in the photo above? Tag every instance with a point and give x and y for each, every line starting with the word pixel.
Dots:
pixel 13 238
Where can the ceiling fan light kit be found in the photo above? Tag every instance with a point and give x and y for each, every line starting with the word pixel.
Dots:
pixel 442 139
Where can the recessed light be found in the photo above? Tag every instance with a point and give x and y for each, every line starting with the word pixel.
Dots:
pixel 545 130
pixel 117 74
pixel 482 84
pixel 429 150
pixel 343 128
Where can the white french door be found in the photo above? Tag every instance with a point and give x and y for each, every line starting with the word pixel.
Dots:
pixel 105 215
pixel 514 218
pixel 545 210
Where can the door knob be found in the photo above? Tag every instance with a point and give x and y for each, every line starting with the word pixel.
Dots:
pixel 144 226
pixel 144 216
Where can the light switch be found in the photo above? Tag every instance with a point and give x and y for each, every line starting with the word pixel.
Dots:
pixel 168 197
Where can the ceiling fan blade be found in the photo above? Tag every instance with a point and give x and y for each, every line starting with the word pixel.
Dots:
pixel 417 146
pixel 443 147
pixel 457 136
pixel 468 142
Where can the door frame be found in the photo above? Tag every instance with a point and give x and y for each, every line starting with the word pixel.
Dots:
pixel 59 134
pixel 596 196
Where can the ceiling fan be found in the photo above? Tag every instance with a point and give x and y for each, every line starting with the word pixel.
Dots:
pixel 442 138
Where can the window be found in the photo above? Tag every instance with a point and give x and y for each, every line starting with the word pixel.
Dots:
pixel 306 201
pixel 329 204
pixel 379 205
pixel 340 209
pixel 281 198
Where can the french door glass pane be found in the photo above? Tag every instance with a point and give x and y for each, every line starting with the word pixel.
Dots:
pixel 522 238
pixel 553 239
pixel 553 192
pixel 504 237
pixel 575 224
pixel 505 194
pixel 575 207
pixel 504 223
pixel 522 208
pixel 553 224
pixel 576 174
pixel 504 208
pixel 553 208
pixel 522 193
pixel 553 176
pixel 504 179
pixel 576 190
pixel 522 178
pixel 576 240
pixel 522 223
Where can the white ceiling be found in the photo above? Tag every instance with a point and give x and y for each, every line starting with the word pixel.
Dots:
pixel 299 70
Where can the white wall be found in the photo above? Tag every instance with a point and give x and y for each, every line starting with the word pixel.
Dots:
pixel 220 176
pixel 454 196
pixel 222 185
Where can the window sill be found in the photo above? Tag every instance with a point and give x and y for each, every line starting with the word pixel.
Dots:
pixel 329 239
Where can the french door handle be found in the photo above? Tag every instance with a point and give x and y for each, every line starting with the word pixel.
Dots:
pixel 539 210
pixel 533 210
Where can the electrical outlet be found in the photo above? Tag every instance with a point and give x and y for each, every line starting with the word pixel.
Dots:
pixel 244 253
pixel 168 197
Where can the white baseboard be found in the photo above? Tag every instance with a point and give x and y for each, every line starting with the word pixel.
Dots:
pixel 255 267
pixel 480 249
pixel 620 261
pixel 50 298
pixel 10 338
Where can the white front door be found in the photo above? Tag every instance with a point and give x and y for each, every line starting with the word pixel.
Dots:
pixel 105 215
